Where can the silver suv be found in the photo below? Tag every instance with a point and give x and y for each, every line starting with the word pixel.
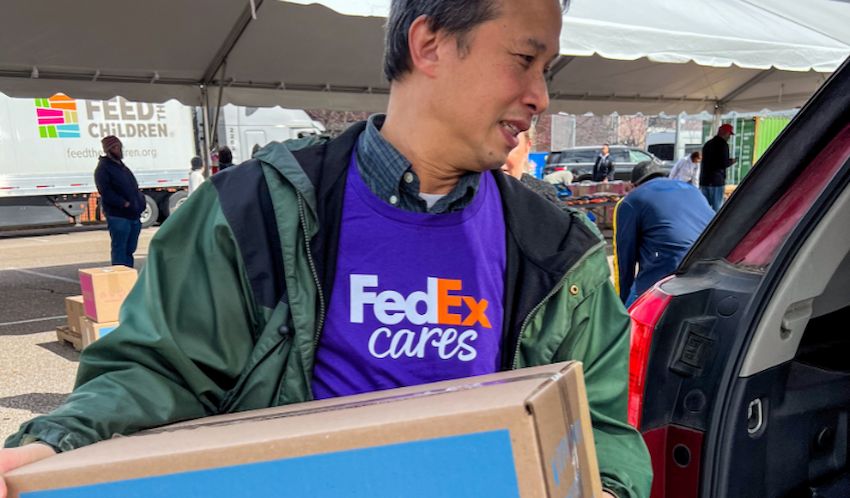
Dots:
pixel 580 160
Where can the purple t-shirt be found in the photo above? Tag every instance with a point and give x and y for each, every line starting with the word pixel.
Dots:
pixel 417 297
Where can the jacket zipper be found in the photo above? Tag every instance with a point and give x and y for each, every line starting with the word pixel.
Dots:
pixel 315 274
pixel 514 364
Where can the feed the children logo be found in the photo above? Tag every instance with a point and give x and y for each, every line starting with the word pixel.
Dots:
pixel 57 117
pixel 438 319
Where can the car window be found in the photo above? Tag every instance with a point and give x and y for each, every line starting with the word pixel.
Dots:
pixel 639 156
pixel 620 155
pixel 578 156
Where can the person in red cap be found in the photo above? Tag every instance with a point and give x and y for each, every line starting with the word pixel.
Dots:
pixel 715 160
pixel 122 202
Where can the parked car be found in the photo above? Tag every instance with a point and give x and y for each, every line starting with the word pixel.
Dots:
pixel 580 160
pixel 739 370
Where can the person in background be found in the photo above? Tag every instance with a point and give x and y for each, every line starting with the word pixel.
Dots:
pixel 225 158
pixel 517 166
pixel 121 199
pixel 715 161
pixel 687 169
pixel 563 177
pixel 654 227
pixel 603 169
pixel 196 174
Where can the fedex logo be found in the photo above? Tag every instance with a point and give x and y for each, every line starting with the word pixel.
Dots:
pixel 440 303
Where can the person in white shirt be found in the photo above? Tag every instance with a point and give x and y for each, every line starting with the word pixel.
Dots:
pixel 196 175
pixel 687 169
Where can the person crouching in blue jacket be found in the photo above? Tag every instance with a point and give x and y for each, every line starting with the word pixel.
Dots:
pixel 654 227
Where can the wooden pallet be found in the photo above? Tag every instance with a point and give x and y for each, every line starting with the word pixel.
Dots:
pixel 66 334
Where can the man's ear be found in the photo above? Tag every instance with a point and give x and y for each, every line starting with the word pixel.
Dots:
pixel 424 43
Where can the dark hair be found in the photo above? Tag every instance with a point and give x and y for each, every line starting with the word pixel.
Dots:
pixel 224 155
pixel 456 17
pixel 695 154
pixel 197 163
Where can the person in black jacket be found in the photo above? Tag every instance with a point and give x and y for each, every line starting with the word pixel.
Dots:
pixel 603 170
pixel 122 201
pixel 715 160
pixel 225 158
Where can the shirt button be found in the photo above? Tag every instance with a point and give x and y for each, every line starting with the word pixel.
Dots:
pixel 408 177
pixel 393 200
pixel 283 330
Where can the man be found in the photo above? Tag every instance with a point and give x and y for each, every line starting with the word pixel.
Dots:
pixel 196 174
pixel 715 160
pixel 225 158
pixel 654 227
pixel 603 169
pixel 292 273
pixel 687 169
pixel 121 199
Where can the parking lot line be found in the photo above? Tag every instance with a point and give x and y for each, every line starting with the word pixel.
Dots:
pixel 32 320
pixel 45 275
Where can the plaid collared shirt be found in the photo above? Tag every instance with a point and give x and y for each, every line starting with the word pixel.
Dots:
pixel 389 175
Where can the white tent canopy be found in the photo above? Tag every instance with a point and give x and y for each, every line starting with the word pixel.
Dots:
pixel 646 56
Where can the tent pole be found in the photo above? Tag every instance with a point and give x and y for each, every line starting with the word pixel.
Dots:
pixel 205 102
pixel 715 123
pixel 677 153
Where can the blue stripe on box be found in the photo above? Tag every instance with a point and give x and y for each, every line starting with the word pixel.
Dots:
pixel 105 330
pixel 465 466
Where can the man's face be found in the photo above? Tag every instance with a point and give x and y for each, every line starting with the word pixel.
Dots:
pixel 697 159
pixel 486 94
pixel 117 151
pixel 604 150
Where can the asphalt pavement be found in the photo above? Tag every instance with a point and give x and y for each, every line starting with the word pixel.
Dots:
pixel 37 273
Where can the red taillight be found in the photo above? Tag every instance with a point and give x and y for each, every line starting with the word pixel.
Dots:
pixel 676 459
pixel 645 314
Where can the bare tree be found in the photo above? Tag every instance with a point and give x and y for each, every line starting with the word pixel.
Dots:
pixel 631 130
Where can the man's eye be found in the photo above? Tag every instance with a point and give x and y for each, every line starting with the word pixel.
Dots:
pixel 527 60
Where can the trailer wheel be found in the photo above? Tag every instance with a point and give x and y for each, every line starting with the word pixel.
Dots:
pixel 150 214
pixel 172 202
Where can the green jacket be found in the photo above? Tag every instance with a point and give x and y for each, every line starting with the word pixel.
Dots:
pixel 227 312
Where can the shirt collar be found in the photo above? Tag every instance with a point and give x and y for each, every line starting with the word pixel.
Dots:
pixel 389 174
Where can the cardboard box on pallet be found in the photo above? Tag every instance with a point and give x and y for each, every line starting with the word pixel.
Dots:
pixel 92 331
pixel 523 433
pixel 74 310
pixel 104 289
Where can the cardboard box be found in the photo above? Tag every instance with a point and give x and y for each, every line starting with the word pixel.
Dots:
pixel 523 434
pixel 74 310
pixel 615 187
pixel 92 331
pixel 104 289
pixel 583 189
